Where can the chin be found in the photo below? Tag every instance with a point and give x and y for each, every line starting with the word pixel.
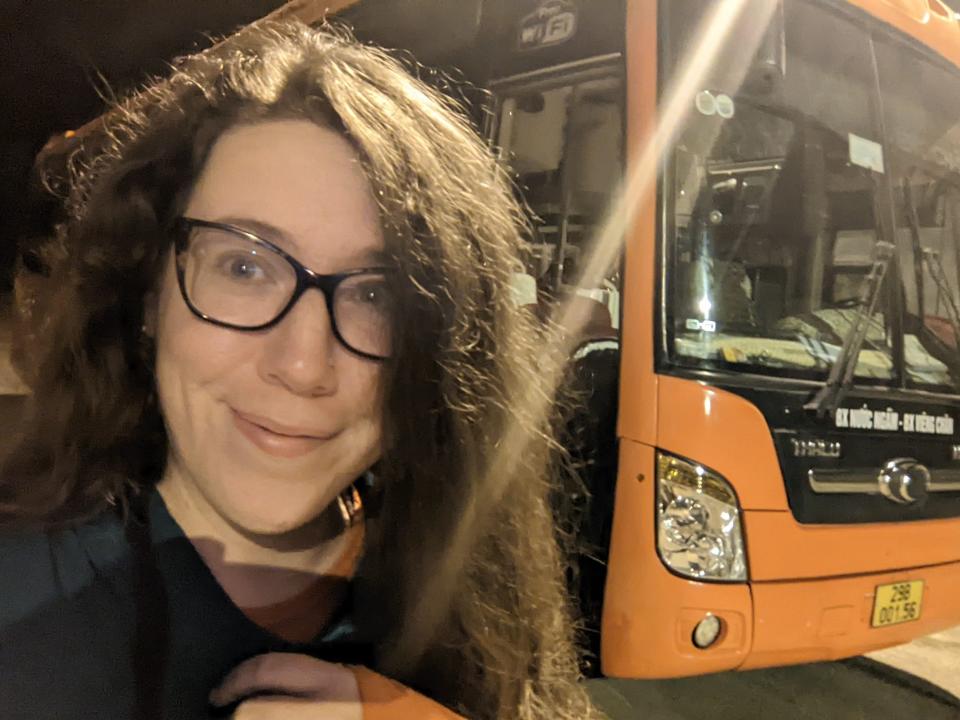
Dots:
pixel 272 511
pixel 267 522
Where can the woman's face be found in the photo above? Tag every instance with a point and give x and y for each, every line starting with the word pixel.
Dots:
pixel 267 427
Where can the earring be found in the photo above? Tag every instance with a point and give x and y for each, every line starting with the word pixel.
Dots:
pixel 351 506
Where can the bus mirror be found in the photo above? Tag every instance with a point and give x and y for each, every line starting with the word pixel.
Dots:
pixel 765 75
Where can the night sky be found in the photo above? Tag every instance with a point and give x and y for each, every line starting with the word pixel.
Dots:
pixel 58 56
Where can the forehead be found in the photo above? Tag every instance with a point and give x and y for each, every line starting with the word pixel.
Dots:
pixel 302 179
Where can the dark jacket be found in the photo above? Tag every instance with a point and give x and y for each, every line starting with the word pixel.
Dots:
pixel 124 620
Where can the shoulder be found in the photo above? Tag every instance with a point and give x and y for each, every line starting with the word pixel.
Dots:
pixel 39 568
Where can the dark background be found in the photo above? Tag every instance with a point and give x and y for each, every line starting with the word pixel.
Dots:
pixel 58 57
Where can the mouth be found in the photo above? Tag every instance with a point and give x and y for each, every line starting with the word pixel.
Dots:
pixel 278 439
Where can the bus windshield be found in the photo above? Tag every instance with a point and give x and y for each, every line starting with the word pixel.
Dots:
pixel 784 199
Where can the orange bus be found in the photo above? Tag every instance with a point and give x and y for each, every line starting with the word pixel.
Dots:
pixel 756 204
pixel 774 359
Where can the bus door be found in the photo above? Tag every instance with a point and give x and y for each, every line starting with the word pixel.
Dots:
pixel 561 135
pixel 560 132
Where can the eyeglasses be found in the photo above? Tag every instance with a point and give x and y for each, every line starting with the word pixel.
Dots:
pixel 235 279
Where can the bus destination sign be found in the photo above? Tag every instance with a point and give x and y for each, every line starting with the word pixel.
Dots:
pixel 890 420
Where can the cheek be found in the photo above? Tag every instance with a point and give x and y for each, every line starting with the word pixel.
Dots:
pixel 198 357
pixel 363 381
pixel 361 389
pixel 191 353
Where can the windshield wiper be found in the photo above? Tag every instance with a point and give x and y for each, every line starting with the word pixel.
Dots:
pixel 934 264
pixel 930 260
pixel 825 402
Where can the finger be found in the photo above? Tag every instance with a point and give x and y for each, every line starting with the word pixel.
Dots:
pixel 270 708
pixel 286 674
pixel 278 708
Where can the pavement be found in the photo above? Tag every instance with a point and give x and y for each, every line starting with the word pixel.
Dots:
pixel 920 681
pixel 935 658
pixel 856 689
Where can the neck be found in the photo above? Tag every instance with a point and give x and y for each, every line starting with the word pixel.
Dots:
pixel 255 570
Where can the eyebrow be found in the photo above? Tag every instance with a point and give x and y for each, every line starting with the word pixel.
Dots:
pixel 369 257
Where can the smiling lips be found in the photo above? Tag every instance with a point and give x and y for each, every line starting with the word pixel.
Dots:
pixel 278 439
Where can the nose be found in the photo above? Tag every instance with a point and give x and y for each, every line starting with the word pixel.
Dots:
pixel 299 352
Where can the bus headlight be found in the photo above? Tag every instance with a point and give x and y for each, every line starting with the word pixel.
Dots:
pixel 699 534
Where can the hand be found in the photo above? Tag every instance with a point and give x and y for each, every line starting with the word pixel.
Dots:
pixel 290 686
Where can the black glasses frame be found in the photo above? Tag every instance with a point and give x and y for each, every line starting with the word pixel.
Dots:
pixel 306 279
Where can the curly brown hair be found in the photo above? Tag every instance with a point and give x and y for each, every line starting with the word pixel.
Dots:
pixel 465 529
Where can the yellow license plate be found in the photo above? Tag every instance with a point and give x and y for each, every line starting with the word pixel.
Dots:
pixel 897 603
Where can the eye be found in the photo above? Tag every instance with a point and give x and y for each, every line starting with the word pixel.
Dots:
pixel 369 292
pixel 242 268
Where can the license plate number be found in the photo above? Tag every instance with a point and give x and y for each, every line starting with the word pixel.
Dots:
pixel 897 603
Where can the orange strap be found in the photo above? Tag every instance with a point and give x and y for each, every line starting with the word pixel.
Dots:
pixel 386 699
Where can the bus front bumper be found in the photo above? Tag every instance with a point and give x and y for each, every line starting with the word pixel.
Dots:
pixel 814 620
pixel 765 623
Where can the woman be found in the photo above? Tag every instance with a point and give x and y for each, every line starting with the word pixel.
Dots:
pixel 278 336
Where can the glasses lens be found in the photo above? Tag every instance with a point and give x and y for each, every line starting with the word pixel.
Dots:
pixel 362 311
pixel 234 280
